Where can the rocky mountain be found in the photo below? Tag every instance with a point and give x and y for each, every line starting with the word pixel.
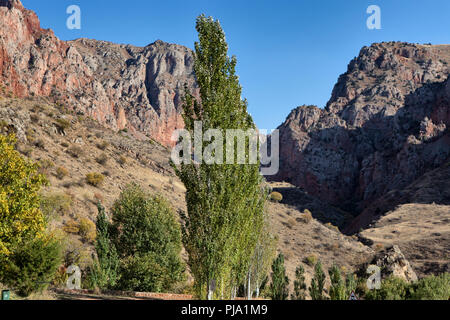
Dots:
pixel 121 86
pixel 385 126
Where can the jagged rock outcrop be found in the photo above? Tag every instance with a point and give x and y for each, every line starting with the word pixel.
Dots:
pixel 386 124
pixel 121 86
pixel 392 262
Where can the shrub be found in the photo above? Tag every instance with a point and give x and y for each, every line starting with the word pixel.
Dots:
pixel 102 159
pixel 122 160
pixel 75 151
pixel 279 289
pixel 276 196
pixel 306 217
pixel 62 124
pixel 291 223
pixel 379 247
pixel 392 288
pixel 71 226
pixel 311 260
pixel 95 179
pixel 54 204
pixel 61 172
pixel 143 273
pixel 39 143
pixel 31 266
pixel 46 164
pixel 432 288
pixel 87 229
pixel 102 145
pixel 146 226
pixel 330 226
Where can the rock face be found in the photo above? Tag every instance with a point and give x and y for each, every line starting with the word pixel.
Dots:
pixel 392 262
pixel 121 86
pixel 386 124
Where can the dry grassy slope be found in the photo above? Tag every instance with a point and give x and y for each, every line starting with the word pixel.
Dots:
pixel 147 164
pixel 422 232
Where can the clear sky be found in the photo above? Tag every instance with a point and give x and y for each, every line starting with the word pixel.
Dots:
pixel 290 52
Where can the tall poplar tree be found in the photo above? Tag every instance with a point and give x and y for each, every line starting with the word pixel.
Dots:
pixel 225 202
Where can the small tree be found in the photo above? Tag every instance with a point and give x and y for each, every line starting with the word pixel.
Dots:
pixel 337 288
pixel 299 284
pixel 145 226
pixel 317 283
pixel 31 266
pixel 20 182
pixel 262 259
pixel 104 273
pixel 279 287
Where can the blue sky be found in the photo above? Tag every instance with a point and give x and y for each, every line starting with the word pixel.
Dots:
pixel 289 52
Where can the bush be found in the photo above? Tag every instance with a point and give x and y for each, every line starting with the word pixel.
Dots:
pixel 432 288
pixel 54 204
pixel 102 145
pixel 276 196
pixel 317 283
pixel 143 273
pixel 95 179
pixel 306 217
pixel 31 266
pixel 102 159
pixel 61 173
pixel 62 124
pixel 392 288
pixel 146 226
pixel 87 229
pixel 71 226
pixel 75 151
pixel 311 260
pixel 122 160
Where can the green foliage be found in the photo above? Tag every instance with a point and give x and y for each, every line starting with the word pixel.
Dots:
pixel 432 288
pixel 279 289
pixel 276 196
pixel 95 179
pixel 224 202
pixel 145 227
pixel 20 182
pixel 55 204
pixel 299 284
pixel 392 288
pixel 75 151
pixel 87 229
pixel 311 260
pixel 31 266
pixel 317 283
pixel 338 290
pixel 263 256
pixel 104 273
pixel 428 288
pixel 143 273
pixel 351 285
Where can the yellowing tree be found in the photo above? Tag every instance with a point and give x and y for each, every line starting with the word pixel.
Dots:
pixel 20 216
